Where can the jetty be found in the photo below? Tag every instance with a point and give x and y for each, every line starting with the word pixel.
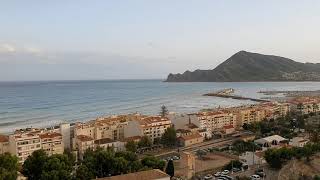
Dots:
pixel 227 93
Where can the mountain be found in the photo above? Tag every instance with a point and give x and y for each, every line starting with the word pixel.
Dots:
pixel 247 66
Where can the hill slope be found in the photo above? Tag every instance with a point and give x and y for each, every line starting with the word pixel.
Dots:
pixel 247 66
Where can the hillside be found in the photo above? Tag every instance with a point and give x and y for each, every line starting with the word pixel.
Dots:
pixel 247 66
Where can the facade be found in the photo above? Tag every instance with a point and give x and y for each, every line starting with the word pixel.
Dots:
pixel 274 141
pixel 109 143
pixel 229 129
pixel 23 145
pixel 52 143
pixel 247 114
pixel 191 139
pixel 154 174
pixel 4 144
pixel 252 158
pixel 151 126
pixel 215 120
pixel 305 105
pixel 298 141
pixel 65 131
pixel 84 143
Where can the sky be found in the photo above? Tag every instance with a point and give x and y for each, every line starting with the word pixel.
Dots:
pixel 143 39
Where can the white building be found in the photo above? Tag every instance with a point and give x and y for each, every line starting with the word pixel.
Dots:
pixel 252 158
pixel 298 141
pixel 151 126
pixel 65 131
pixel 271 141
pixel 109 143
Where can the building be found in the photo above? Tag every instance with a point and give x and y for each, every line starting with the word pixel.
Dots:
pixel 271 142
pixel 229 129
pixel 187 168
pixel 52 143
pixel 305 105
pixel 111 127
pixel 298 142
pixel 23 145
pixel 191 139
pixel 252 158
pixel 84 143
pixel 4 144
pixel 109 143
pixel 247 114
pixel 151 126
pixel 154 174
pixel 215 120
pixel 274 110
pixel 65 131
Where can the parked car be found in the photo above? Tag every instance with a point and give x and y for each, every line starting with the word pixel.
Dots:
pixel 209 176
pixel 217 174
pixel 175 157
pixel 255 177
pixel 226 177
pixel 260 173
pixel 236 169
pixel 225 172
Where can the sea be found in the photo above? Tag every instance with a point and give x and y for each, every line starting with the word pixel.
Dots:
pixel 48 103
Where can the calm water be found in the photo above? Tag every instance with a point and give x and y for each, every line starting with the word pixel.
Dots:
pixel 25 104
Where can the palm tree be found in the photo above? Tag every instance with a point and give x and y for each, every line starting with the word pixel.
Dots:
pixel 300 107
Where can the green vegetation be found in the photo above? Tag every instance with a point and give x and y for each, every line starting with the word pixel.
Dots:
pixel 39 166
pixel 8 167
pixel 102 163
pixel 131 146
pixel 170 168
pixel 283 126
pixel 145 141
pixel 164 111
pixel 169 138
pixel 247 66
pixel 240 146
pixel 233 164
pixel 277 157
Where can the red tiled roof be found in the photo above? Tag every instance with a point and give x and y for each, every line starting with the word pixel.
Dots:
pixel 142 175
pixel 49 135
pixel 84 138
pixel 191 136
pixel 4 138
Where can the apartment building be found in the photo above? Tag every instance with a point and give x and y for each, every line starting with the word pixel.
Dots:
pixel 83 143
pixel 52 143
pixel 111 127
pixel 305 105
pixel 109 143
pixel 247 114
pixel 215 120
pixel 275 110
pixel 23 145
pixel 151 126
pixel 4 144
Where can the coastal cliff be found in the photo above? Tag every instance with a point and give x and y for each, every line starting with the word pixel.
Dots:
pixel 247 66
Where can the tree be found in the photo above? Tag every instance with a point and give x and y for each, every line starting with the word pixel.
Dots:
pixel 33 166
pixel 8 167
pixel 169 138
pixel 164 111
pixel 233 164
pixel 83 173
pixel 57 166
pixel 131 146
pixel 170 168
pixel 300 107
pixel 39 166
pixel 153 162
pixel 273 158
pixel 145 142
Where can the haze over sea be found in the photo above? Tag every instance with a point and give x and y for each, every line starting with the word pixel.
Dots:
pixel 42 104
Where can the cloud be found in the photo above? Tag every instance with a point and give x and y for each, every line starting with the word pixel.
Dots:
pixel 7 48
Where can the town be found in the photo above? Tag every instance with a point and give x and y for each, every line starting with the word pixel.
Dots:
pixel 246 142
